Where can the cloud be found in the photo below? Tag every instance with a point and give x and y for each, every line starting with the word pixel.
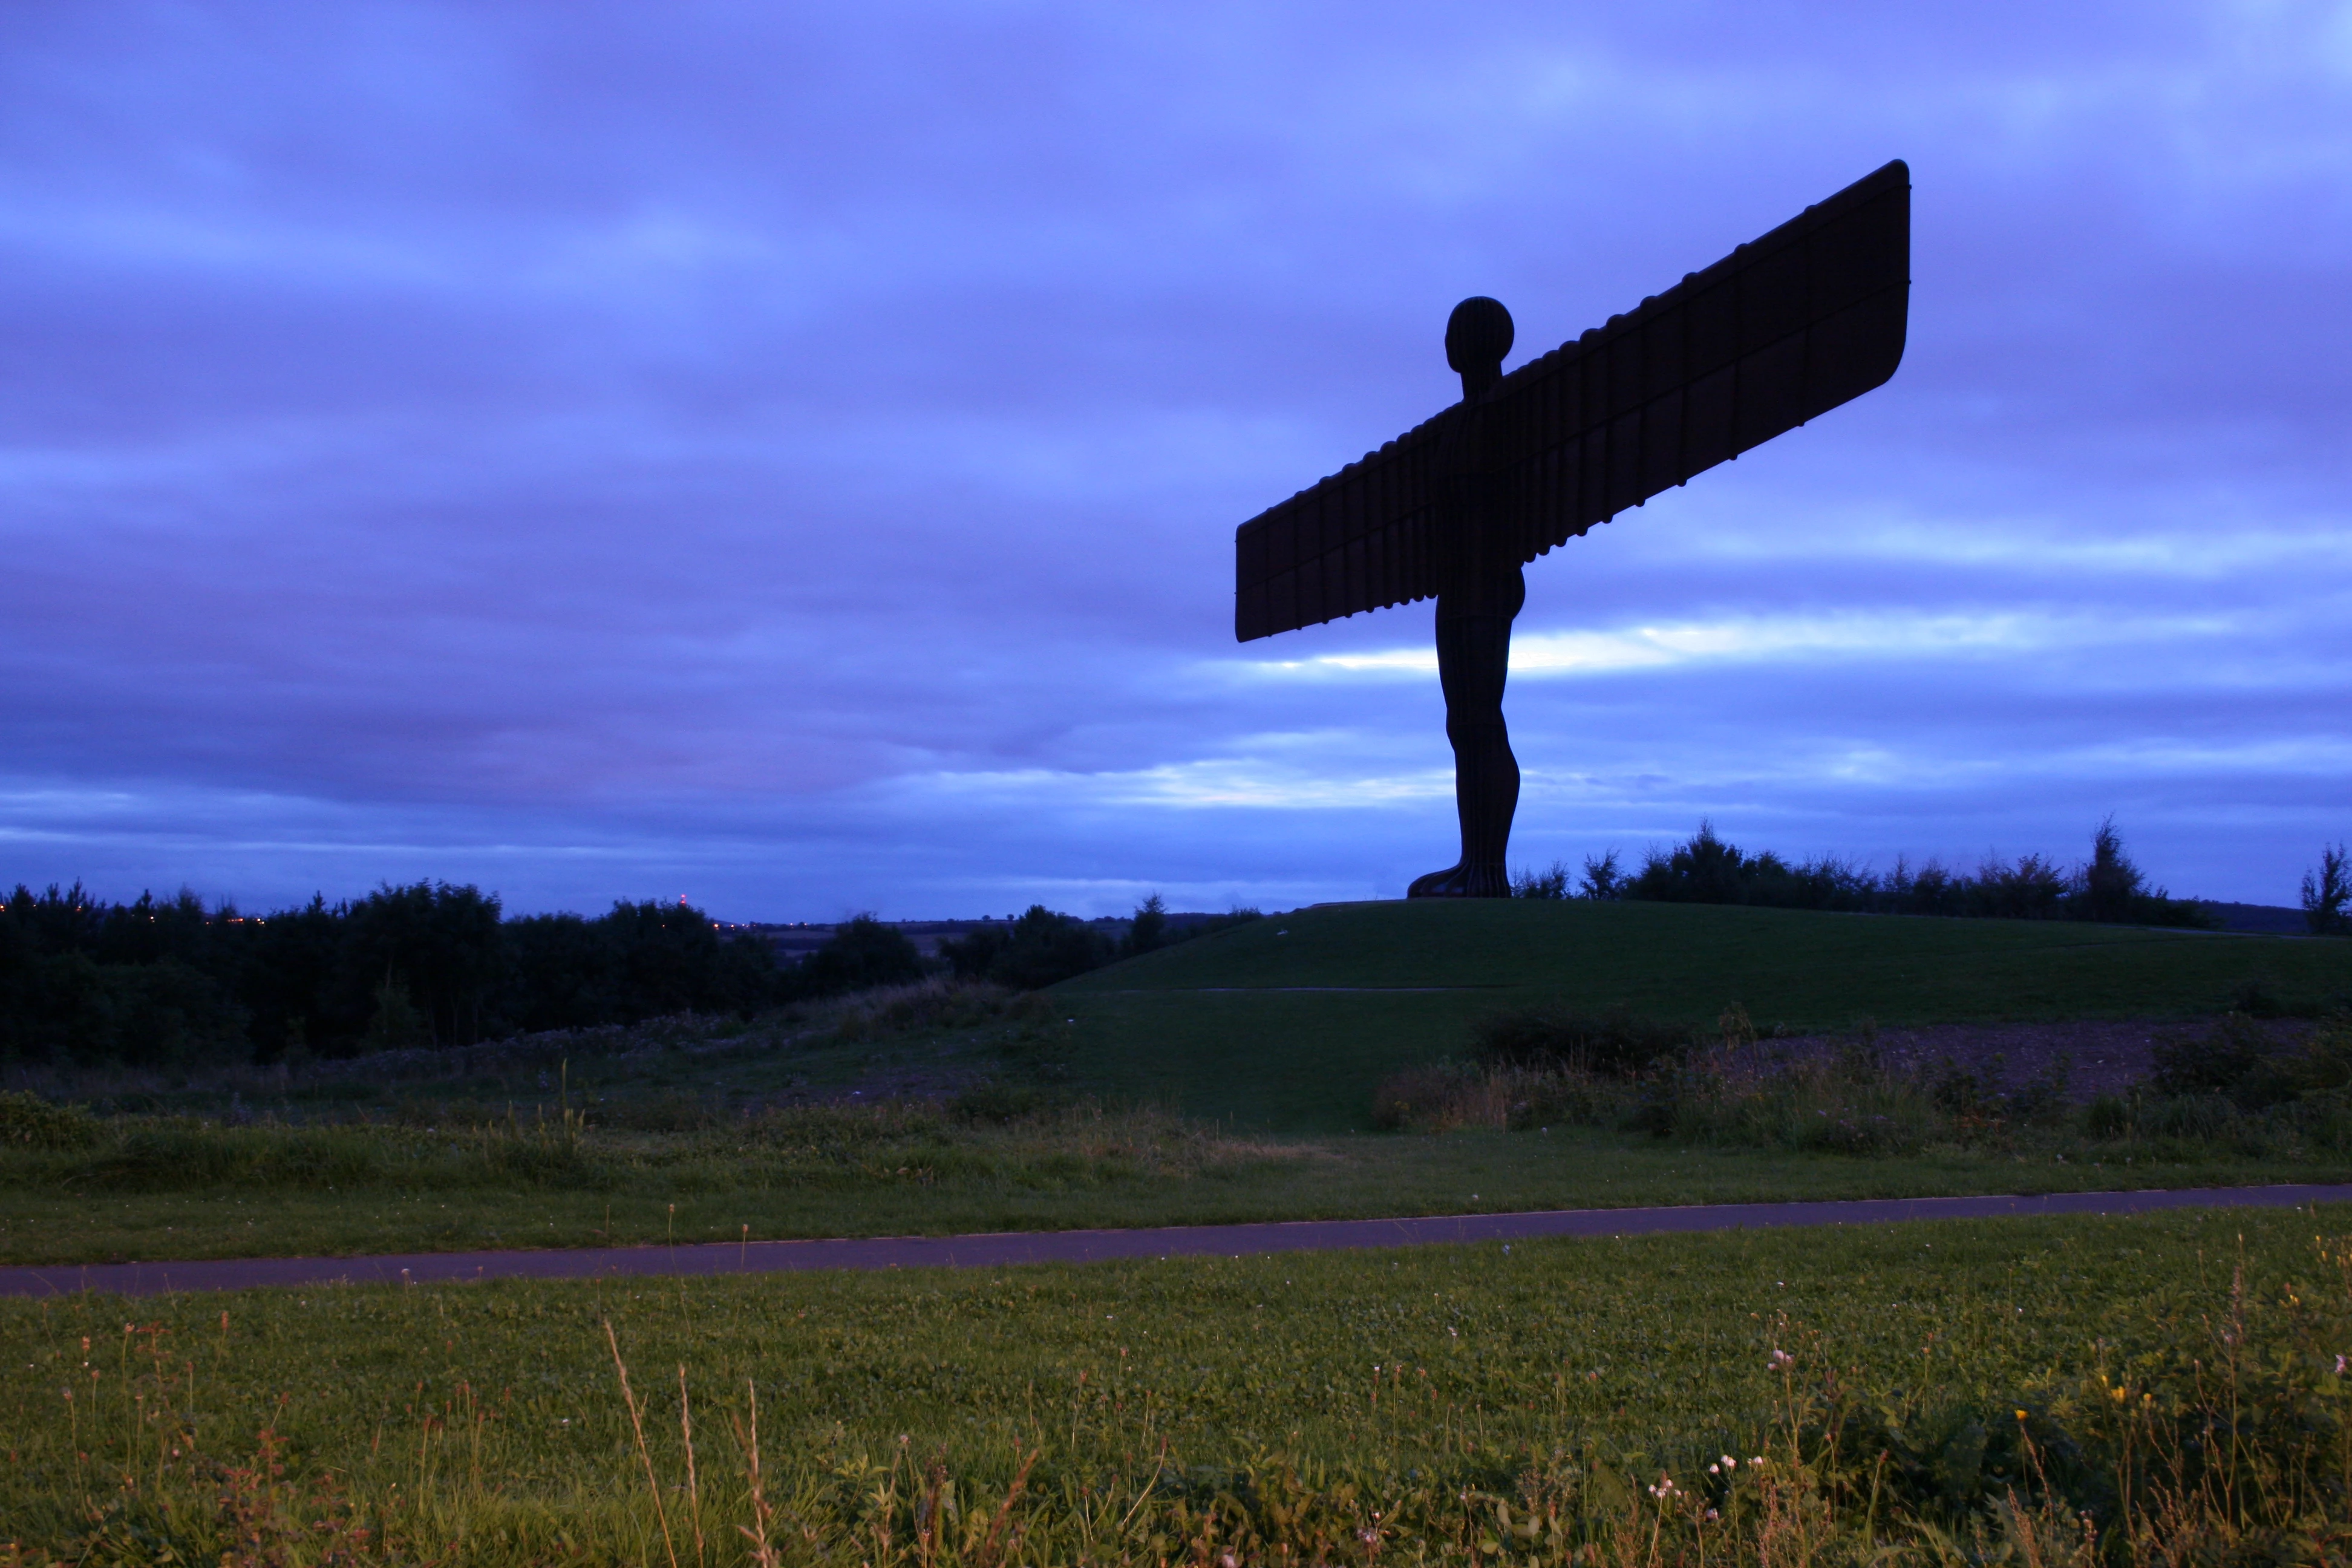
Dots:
pixel 793 454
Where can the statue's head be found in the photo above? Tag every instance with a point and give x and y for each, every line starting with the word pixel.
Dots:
pixel 1477 336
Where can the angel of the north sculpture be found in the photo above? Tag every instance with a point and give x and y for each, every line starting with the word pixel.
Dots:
pixel 1779 331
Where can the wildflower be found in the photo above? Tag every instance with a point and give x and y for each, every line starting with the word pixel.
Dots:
pixel 1712 1514
pixel 2339 1366
pixel 1781 1359
pixel 1714 1469
pixel 1730 1463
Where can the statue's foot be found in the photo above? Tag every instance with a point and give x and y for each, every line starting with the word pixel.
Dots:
pixel 1450 883
pixel 1483 881
pixel 1463 882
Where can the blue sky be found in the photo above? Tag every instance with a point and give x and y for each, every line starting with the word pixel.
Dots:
pixel 789 456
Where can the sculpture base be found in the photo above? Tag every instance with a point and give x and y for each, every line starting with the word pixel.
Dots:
pixel 1463 882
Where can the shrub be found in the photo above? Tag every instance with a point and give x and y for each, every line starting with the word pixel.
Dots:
pixel 1603 879
pixel 2231 1056
pixel 28 1121
pixel 1615 1043
pixel 940 1001
pixel 2107 1117
pixel 1000 1104
pixel 1549 884
pixel 1029 953
pixel 1707 870
pixel 862 953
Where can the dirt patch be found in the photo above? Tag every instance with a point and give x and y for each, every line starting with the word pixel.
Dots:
pixel 2103 1056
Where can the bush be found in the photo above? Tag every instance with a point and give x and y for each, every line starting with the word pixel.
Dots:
pixel 1615 1044
pixel 1707 870
pixel 1603 879
pixel 861 954
pixel 1029 953
pixel 1550 884
pixel 2232 1057
pixel 939 1002
pixel 28 1121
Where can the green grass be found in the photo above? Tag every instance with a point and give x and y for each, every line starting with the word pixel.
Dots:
pixel 484 1423
pixel 272 1192
pixel 1208 1026
pixel 1258 1088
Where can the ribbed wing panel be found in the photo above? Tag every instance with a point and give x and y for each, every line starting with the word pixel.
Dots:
pixel 1357 541
pixel 1776 334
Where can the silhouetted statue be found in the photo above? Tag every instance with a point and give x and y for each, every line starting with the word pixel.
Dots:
pixel 1783 330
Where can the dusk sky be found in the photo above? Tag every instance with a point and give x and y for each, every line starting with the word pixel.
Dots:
pixel 789 456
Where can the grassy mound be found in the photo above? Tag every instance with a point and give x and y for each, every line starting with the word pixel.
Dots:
pixel 1289 1022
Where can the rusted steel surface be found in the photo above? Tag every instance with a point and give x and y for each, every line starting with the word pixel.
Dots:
pixel 1784 329
pixel 1006 1248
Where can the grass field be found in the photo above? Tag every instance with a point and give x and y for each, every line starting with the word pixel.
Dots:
pixel 1215 1027
pixel 338 1191
pixel 1332 1407
pixel 1256 1087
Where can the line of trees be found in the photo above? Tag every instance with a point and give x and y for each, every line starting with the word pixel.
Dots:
pixel 82 980
pixel 1707 870
pixel 161 982
pixel 1041 946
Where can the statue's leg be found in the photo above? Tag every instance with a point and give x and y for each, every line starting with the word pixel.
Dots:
pixel 1473 660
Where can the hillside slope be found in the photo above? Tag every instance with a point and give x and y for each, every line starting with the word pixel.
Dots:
pixel 1288 1023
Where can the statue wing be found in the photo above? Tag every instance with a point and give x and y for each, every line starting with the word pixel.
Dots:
pixel 1783 329
pixel 1358 540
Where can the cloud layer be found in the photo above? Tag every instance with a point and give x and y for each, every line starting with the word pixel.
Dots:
pixel 791 459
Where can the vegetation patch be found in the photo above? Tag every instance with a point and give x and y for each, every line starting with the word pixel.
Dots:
pixel 2227 1089
pixel 2161 1389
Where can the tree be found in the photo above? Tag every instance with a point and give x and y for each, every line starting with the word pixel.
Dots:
pixel 1037 950
pixel 973 954
pixel 1701 870
pixel 439 943
pixel 1149 929
pixel 669 958
pixel 2327 892
pixel 863 953
pixel 2113 888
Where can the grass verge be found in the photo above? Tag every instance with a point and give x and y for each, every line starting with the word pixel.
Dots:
pixel 152 1193
pixel 2160 1388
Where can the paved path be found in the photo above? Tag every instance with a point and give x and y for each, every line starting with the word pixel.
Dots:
pixel 995 1250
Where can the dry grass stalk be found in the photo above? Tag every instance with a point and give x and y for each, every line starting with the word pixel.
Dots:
pixel 637 1425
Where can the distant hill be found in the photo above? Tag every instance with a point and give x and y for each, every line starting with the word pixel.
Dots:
pixel 2272 919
